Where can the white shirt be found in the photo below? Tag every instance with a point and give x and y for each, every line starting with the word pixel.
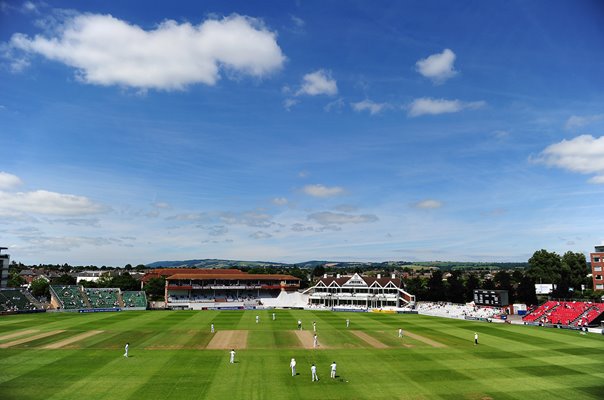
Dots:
pixel 333 367
pixel 313 369
pixel 292 364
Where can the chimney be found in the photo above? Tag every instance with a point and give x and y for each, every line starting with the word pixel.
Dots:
pixel 338 275
pixel 393 276
pixel 379 276
pixel 324 276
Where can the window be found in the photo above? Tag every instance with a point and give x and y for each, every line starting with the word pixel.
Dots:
pixel 597 268
pixel 596 259
pixel 599 287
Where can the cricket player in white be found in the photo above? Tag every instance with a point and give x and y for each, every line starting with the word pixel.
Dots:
pixel 292 365
pixel 212 328
pixel 347 323
pixel 400 333
pixel 475 338
pixel 273 316
pixel 232 356
pixel 315 342
pixel 313 371
pixel 333 370
pixel 314 326
pixel 126 350
pixel 299 325
pixel 257 318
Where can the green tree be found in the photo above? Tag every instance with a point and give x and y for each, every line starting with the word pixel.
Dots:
pixel 40 288
pixel 125 281
pixel 319 270
pixel 15 280
pixel 488 284
pixel 472 282
pixel 545 267
pixel 155 288
pixel 578 269
pixel 416 286
pixel 455 288
pixel 526 291
pixel 436 287
pixel 64 279
pixel 503 281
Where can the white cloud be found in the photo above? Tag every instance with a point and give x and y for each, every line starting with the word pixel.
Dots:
pixel 346 208
pixel 575 121
pixel 289 103
pixel 66 243
pixel 323 191
pixel 331 218
pixel 108 51
pixel 280 201
pixel 260 235
pixel 335 105
pixel 48 203
pixel 248 218
pixel 583 154
pixel 438 67
pixel 501 134
pixel 192 217
pixel 162 205
pixel 18 64
pixel 430 106
pixel 75 221
pixel 298 23
pixel 9 181
pixel 429 204
pixel 368 105
pixel 218 230
pixel 29 7
pixel 318 82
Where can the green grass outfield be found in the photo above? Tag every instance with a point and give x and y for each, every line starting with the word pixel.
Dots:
pixel 169 360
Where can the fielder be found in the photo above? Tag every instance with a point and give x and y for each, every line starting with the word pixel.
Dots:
pixel 315 342
pixel 314 326
pixel 292 365
pixel 232 356
pixel 126 350
pixel 212 328
pixel 333 370
pixel 475 338
pixel 257 318
pixel 400 333
pixel 347 323
pixel 273 316
pixel 313 371
pixel 299 325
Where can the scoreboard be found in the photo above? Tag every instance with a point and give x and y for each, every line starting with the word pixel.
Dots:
pixel 495 298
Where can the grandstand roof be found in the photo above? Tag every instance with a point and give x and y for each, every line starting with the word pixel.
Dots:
pixel 165 272
pixel 367 279
pixel 233 276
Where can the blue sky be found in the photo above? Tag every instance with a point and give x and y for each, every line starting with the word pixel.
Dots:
pixel 290 131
